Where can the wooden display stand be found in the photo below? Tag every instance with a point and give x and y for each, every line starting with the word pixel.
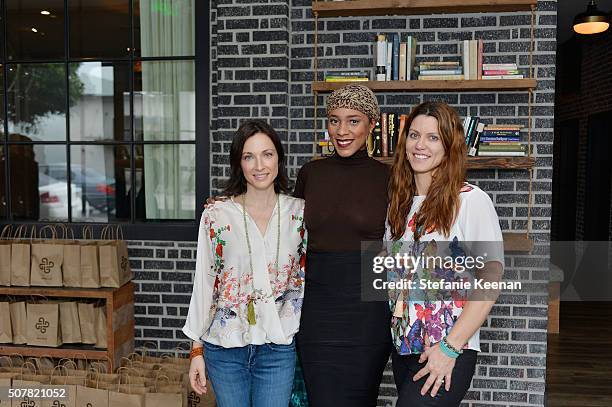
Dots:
pixel 119 303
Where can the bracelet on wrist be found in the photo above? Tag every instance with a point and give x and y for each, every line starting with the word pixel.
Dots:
pixel 451 347
pixel 448 351
pixel 196 352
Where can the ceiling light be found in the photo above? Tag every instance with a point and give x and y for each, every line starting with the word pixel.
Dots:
pixel 45 13
pixel 592 21
pixel 34 30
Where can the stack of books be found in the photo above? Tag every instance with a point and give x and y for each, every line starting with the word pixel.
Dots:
pixel 501 140
pixel 501 71
pixel 440 71
pixel 347 76
pixel 472 129
pixel 471 51
pixel 395 60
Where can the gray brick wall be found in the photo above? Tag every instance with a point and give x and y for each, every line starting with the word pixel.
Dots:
pixel 262 67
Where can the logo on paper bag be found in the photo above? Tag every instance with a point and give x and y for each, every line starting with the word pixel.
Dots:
pixel 27 402
pixel 46 265
pixel 42 325
pixel 193 399
pixel 124 263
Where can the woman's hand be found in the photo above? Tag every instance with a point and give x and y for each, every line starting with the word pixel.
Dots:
pixel 197 375
pixel 439 367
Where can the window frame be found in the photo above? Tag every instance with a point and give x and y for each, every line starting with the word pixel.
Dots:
pixel 164 230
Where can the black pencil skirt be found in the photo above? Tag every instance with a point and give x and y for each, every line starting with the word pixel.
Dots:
pixel 344 343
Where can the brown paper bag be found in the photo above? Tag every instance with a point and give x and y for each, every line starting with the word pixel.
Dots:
pixel 91 397
pixel 19 322
pixel 163 400
pixel 126 396
pixel 87 321
pixel 100 327
pixel 115 267
pixel 26 401
pixel 20 258
pixel 46 266
pixel 71 269
pixel 6 330
pixel 194 399
pixel 5 382
pixel 90 266
pixel 70 326
pixel 69 399
pixel 43 327
pixel 5 255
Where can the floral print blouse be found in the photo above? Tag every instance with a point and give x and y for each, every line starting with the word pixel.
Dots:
pixel 419 318
pixel 224 285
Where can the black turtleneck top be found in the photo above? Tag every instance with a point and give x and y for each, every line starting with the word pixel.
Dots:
pixel 346 201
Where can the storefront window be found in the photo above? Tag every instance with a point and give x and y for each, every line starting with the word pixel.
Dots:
pixel 99 28
pixel 164 28
pixel 37 100
pixel 35 30
pixel 102 109
pixel 100 113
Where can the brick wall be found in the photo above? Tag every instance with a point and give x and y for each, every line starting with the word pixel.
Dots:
pixel 262 67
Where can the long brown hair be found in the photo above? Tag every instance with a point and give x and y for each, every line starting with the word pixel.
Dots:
pixel 440 208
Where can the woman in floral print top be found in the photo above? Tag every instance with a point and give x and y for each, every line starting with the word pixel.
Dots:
pixel 249 280
pixel 433 212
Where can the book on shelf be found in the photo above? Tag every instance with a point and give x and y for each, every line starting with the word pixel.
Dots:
pixel 471 56
pixel 385 135
pixel 395 60
pixel 501 71
pixel 501 140
pixel 395 64
pixel 440 71
pixel 411 50
pixel 402 61
pixel 501 153
pixel 346 76
pixel 389 62
pixel 472 128
pixel 502 77
pixel 392 135
pixel 441 77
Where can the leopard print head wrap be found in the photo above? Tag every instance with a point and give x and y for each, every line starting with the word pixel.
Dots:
pixel 356 97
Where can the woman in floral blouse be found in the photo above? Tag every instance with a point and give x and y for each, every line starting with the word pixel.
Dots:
pixel 433 211
pixel 249 280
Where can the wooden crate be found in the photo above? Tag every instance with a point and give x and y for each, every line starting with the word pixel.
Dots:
pixel 119 303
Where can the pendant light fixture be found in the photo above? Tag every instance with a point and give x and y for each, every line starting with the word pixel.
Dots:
pixel 592 21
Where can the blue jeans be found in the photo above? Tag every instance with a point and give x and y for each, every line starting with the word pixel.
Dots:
pixel 254 375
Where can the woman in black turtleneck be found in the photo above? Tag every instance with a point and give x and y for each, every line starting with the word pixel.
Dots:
pixel 344 342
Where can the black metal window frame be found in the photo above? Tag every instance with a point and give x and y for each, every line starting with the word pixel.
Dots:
pixel 168 230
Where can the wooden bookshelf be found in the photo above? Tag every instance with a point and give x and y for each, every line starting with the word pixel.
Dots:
pixel 119 304
pixel 433 86
pixel 481 163
pixel 407 7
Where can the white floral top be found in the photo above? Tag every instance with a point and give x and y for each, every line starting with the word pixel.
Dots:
pixel 424 322
pixel 223 284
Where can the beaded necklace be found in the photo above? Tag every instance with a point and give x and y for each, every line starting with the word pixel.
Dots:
pixel 252 297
